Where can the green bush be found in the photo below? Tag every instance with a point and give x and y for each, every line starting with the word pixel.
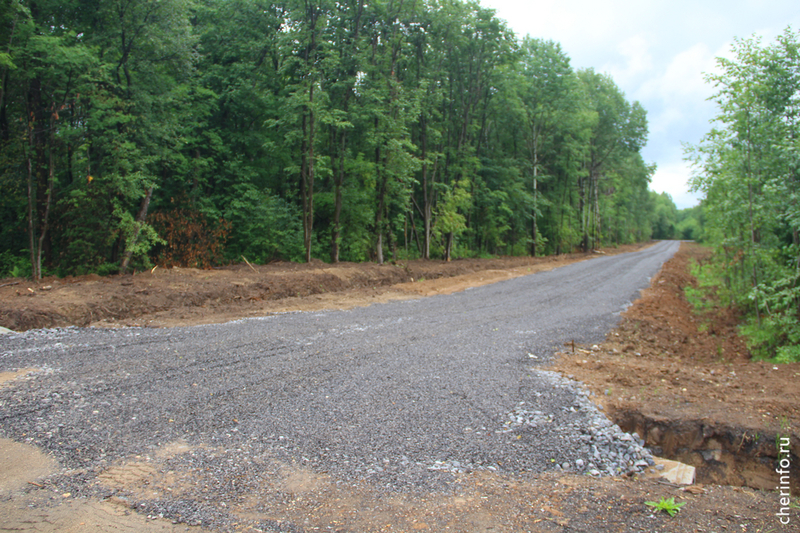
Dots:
pixel 775 332
pixel 263 227
pixel 13 266
pixel 689 229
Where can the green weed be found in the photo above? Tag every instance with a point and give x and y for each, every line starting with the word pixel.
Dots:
pixel 666 505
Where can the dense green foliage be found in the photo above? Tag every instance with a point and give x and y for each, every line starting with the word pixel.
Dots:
pixel 201 131
pixel 668 222
pixel 748 167
pixel 689 224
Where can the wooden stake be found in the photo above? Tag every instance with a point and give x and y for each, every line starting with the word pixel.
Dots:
pixel 248 264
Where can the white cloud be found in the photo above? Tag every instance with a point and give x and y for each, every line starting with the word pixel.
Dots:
pixel 656 52
pixel 636 61
pixel 672 179
pixel 661 123
pixel 682 78
pixel 677 98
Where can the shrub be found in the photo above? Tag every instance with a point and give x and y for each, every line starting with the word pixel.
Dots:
pixel 190 239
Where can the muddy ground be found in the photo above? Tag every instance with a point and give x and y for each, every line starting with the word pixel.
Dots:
pixel 686 384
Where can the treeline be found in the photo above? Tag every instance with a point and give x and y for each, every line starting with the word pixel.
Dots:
pixel 669 222
pixel 748 168
pixel 196 132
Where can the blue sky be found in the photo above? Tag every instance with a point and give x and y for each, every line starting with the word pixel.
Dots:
pixel 656 52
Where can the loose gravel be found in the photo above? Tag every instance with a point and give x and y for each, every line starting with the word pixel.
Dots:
pixel 403 396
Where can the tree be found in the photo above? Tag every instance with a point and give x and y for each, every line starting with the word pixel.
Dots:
pixel 747 167
pixel 547 78
pixel 665 216
pixel 619 131
pixel 365 125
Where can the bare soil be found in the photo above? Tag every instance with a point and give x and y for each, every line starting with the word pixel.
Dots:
pixel 685 383
pixel 688 385
pixel 188 296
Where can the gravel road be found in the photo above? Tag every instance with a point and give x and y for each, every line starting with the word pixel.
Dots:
pixel 403 396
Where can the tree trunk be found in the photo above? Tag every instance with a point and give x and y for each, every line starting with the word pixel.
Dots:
pixel 307 177
pixel 38 179
pixel 309 199
pixel 426 193
pixel 584 215
pixel 535 157
pixel 49 198
pixel 534 228
pixel 140 219
pixel 597 235
pixel 309 139
pixel 564 198
pixel 380 203
pixel 340 177
pixel 31 203
pixel 753 249
pixel 337 203
pixel 749 164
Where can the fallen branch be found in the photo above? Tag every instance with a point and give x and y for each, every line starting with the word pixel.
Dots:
pixel 10 284
pixel 248 264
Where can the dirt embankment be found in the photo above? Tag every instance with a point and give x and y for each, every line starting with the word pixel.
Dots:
pixel 688 386
pixel 187 296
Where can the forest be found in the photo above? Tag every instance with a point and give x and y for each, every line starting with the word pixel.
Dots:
pixel 199 132
pixel 748 169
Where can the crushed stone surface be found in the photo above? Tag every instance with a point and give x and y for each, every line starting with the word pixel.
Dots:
pixel 402 396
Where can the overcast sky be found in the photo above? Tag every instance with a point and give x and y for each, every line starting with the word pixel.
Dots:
pixel 656 52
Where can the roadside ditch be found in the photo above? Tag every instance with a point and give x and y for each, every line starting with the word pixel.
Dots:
pixel 687 385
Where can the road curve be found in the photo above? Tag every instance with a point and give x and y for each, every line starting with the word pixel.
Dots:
pixel 402 396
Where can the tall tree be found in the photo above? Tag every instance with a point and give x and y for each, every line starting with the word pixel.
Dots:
pixel 282 126
pixel 549 93
pixel 749 171
pixel 620 130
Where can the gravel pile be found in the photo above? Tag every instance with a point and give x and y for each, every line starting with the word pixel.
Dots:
pixel 402 397
pixel 604 448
